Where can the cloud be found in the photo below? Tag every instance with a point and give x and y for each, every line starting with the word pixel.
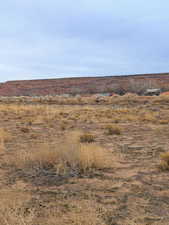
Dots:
pixel 47 39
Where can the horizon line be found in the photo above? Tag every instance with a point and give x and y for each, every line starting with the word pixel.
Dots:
pixel 92 76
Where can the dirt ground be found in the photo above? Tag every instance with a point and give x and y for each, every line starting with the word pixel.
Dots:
pixel 132 191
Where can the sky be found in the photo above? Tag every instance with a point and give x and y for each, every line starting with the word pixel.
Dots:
pixel 50 39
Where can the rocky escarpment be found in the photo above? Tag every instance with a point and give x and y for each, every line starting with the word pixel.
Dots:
pixel 85 85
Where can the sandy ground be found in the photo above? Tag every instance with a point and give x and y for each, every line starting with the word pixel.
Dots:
pixel 133 191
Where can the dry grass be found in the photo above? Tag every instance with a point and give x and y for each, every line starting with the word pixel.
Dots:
pixel 84 213
pixel 148 117
pixel 4 137
pixel 58 170
pixel 68 155
pixel 126 99
pixel 87 137
pixel 113 129
pixel 13 208
pixel 16 208
pixel 43 114
pixel 164 164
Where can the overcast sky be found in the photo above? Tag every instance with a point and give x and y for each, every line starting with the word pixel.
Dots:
pixel 51 38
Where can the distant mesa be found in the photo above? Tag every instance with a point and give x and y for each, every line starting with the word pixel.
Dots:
pixel 84 85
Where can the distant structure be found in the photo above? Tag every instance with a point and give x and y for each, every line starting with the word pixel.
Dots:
pixel 151 92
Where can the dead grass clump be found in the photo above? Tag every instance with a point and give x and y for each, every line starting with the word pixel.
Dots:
pixel 113 129
pixel 148 117
pixel 42 157
pixel 164 164
pixel 68 155
pixel 87 137
pixel 91 156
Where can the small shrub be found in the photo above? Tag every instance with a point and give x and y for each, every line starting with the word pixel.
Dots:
pixel 164 164
pixel 87 137
pixel 113 130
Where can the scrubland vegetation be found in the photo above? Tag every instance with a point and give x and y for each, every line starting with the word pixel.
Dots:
pixel 84 160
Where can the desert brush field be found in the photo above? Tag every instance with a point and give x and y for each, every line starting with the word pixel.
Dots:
pixel 84 160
